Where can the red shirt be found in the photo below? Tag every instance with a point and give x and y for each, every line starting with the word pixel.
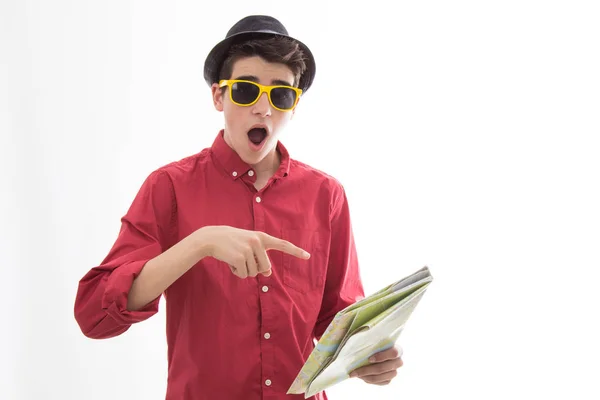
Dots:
pixel 231 338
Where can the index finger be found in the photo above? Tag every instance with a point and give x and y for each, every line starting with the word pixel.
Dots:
pixel 273 243
pixel 390 354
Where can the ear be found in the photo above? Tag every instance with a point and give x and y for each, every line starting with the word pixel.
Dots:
pixel 217 96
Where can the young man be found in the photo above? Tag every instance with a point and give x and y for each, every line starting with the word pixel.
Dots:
pixel 253 250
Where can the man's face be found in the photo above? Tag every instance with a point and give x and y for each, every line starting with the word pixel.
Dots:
pixel 252 131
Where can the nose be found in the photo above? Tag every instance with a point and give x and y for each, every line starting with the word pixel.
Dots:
pixel 262 106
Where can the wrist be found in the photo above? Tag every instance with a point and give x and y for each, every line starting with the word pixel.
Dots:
pixel 201 242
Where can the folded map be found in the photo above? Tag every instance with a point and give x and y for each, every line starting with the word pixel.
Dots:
pixel 369 326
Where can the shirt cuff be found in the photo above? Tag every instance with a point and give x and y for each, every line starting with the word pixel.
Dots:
pixel 114 301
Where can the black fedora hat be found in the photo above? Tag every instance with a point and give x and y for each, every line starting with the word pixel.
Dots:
pixel 254 27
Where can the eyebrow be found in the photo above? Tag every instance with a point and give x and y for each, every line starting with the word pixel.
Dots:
pixel 255 79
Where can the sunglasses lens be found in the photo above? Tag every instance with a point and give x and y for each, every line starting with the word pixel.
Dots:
pixel 244 92
pixel 283 98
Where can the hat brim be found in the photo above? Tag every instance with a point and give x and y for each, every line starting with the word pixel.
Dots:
pixel 215 58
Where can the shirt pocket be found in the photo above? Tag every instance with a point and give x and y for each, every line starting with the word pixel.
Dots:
pixel 303 275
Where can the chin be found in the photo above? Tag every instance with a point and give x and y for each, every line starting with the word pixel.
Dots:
pixel 253 145
pixel 253 158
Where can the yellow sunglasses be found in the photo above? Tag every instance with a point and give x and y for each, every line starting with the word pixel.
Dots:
pixel 246 93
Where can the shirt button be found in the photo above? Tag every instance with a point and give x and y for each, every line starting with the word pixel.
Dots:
pixel 234 173
pixel 265 289
pixel 250 173
pixel 268 382
pixel 258 200
pixel 267 335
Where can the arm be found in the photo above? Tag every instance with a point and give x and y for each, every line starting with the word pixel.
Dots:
pixel 343 286
pixel 160 272
pixel 146 259
pixel 106 304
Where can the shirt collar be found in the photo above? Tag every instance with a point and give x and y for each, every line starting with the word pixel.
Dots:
pixel 235 167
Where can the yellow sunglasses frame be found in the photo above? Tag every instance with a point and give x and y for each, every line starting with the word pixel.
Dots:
pixel 262 89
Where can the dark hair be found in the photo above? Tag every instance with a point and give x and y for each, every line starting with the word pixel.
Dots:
pixel 276 49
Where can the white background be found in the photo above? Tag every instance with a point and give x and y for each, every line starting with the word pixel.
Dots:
pixel 465 133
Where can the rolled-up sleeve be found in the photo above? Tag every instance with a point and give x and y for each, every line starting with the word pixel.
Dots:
pixel 343 286
pixel 147 230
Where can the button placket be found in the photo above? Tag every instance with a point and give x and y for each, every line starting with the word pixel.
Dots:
pixel 268 320
pixel 266 324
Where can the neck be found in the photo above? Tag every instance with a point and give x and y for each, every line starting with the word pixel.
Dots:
pixel 267 167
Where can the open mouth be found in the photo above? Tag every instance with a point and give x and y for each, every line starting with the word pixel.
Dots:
pixel 257 135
